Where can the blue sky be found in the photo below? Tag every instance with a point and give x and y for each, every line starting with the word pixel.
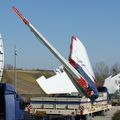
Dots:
pixel 95 22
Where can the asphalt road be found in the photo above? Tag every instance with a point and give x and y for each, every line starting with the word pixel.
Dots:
pixel 109 114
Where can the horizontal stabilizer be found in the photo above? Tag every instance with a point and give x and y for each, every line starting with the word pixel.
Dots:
pixel 57 84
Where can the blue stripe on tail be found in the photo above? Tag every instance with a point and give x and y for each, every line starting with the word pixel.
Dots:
pixel 91 84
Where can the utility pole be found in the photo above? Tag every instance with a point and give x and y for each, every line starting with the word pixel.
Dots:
pixel 15 72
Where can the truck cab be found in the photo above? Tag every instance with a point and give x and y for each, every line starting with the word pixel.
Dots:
pixel 11 104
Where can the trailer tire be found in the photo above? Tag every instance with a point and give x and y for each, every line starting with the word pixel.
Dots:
pixel 77 117
pixel 103 113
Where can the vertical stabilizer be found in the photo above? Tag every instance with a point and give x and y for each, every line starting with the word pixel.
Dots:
pixel 78 58
pixel 78 55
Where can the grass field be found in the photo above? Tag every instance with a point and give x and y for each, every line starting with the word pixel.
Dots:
pixel 25 81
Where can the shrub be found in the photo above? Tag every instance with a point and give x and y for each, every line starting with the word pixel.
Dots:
pixel 116 116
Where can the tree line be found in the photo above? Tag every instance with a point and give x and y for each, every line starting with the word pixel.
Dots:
pixel 102 71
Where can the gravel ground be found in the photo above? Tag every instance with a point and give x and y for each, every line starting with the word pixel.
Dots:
pixel 109 114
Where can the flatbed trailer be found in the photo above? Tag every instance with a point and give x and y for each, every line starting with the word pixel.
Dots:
pixel 71 107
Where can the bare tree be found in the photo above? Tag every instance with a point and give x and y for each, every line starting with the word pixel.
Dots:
pixel 115 69
pixel 102 71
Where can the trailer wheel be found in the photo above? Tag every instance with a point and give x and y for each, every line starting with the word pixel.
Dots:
pixel 86 117
pixel 103 113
